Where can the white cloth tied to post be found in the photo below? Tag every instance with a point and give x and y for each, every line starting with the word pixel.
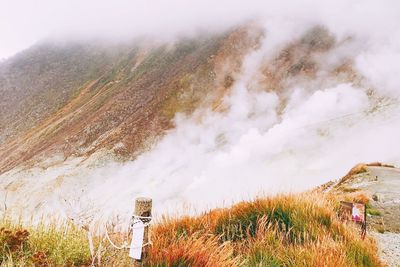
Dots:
pixel 136 246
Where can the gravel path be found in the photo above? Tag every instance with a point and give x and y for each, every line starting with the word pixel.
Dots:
pixel 389 248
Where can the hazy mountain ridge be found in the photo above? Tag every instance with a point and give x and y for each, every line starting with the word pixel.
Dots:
pixel 79 98
pixel 76 104
pixel 37 82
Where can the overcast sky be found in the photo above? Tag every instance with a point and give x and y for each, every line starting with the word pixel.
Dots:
pixel 23 22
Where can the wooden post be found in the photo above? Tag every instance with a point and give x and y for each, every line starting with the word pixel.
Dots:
pixel 143 208
pixel 364 225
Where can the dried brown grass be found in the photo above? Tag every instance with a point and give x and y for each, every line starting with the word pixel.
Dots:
pixel 294 230
pixel 285 230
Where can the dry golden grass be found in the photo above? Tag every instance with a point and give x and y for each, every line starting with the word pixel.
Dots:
pixel 380 164
pixel 286 230
pixel 43 245
pixel 359 168
pixel 362 168
pixel 294 230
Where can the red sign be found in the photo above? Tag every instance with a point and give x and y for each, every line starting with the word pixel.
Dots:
pixel 358 212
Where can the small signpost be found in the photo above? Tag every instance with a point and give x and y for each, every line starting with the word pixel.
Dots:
pixel 139 228
pixel 135 250
pixel 140 238
pixel 355 212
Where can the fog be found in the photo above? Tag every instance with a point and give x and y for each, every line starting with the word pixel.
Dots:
pixel 24 22
pixel 216 158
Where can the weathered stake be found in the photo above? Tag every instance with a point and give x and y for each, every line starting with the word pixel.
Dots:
pixel 143 208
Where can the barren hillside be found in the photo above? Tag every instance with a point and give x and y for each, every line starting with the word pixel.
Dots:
pixel 77 99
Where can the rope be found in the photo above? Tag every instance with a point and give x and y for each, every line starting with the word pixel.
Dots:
pixel 142 217
pixel 135 219
pixel 147 244
pixel 124 245
pixel 145 219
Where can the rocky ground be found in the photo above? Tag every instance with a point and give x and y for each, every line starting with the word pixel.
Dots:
pixel 389 246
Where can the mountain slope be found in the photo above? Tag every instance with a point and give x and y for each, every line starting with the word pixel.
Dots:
pixel 117 104
pixel 232 114
pixel 42 79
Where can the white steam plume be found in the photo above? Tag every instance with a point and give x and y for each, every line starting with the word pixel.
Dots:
pixel 212 158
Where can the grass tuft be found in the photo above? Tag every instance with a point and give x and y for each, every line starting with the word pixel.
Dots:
pixel 285 230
